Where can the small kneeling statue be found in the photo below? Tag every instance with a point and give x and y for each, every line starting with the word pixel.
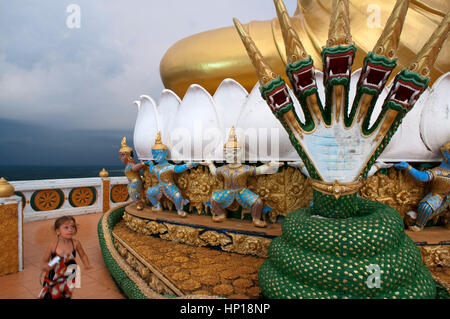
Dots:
pixel 235 192
pixel 436 201
pixel 132 172
pixel 164 172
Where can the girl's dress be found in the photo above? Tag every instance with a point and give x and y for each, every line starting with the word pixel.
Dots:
pixel 58 282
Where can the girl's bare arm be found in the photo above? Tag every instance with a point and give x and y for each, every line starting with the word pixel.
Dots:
pixel 46 259
pixel 84 258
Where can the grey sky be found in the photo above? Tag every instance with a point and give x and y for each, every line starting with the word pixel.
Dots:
pixel 87 78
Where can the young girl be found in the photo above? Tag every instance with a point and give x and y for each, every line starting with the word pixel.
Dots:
pixel 59 279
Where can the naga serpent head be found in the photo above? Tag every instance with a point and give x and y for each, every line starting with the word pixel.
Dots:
pixel 339 140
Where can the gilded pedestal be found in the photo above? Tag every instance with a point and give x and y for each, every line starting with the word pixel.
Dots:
pixel 11 240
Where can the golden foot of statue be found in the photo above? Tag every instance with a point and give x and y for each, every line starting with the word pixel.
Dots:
pixel 219 218
pixel 140 206
pixel 415 228
pixel 259 223
pixel 182 213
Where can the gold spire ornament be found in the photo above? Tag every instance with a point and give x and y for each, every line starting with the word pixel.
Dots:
pixel 294 47
pixel 339 30
pixel 232 140
pixel 424 61
pixel 103 173
pixel 125 148
pixel 263 70
pixel 158 143
pixel 387 44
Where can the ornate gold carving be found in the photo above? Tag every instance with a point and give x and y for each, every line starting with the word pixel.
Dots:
pixel 215 239
pixel 184 235
pixel 156 228
pixel 197 184
pixel 264 71
pixel 396 189
pixel 236 243
pixel 335 189
pixel 248 245
pixel 129 271
pixel 433 256
pixel 143 271
pixel 136 224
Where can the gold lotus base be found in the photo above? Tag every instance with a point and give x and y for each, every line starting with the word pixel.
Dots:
pixel 231 235
pixel 178 270
pixel 194 257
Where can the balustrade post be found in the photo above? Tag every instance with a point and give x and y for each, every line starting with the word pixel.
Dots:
pixel 11 230
pixel 106 186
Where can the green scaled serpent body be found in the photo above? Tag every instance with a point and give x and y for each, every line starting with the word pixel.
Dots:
pixel 322 257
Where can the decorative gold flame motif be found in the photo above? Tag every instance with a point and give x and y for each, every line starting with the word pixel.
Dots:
pixel 264 71
pixel 425 59
pixel 294 47
pixel 339 31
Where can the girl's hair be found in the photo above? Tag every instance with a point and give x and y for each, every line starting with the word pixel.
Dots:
pixel 61 220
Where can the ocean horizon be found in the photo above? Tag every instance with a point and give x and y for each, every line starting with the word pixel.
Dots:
pixel 37 172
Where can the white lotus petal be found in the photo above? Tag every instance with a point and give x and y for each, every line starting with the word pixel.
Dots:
pixel 229 99
pixel 196 124
pixel 435 122
pixel 406 144
pixel 146 127
pixel 265 137
pixel 168 106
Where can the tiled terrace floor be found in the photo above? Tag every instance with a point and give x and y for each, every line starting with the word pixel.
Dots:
pixel 96 283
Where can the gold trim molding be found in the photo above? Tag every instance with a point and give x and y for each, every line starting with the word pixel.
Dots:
pixel 244 244
pixel 335 189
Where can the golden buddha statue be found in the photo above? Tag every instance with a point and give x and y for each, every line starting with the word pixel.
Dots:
pixel 209 57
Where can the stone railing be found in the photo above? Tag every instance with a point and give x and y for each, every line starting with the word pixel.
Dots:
pixel 25 201
pixel 47 199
